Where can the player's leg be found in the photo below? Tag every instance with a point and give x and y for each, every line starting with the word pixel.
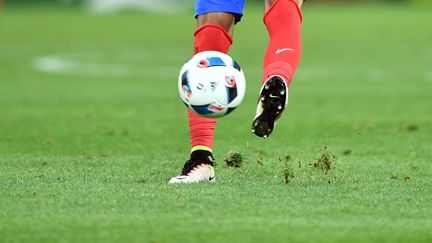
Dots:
pixel 283 21
pixel 215 26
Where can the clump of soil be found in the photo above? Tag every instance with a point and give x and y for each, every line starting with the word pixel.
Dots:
pixel 287 173
pixel 234 159
pixel 324 163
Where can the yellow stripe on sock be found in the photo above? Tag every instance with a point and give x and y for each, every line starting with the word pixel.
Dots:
pixel 200 147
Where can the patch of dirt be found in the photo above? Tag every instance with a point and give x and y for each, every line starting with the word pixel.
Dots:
pixel 234 159
pixel 324 163
pixel 286 158
pixel 347 152
pixel 405 178
pixel 412 128
pixel 287 173
pixel 259 161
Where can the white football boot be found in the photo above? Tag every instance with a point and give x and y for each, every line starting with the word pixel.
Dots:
pixel 199 168
pixel 271 103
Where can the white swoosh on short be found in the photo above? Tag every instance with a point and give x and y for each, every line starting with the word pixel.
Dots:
pixel 284 49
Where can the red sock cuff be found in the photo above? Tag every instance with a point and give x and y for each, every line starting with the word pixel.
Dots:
pixel 211 37
pixel 277 3
pixel 217 27
pixel 283 69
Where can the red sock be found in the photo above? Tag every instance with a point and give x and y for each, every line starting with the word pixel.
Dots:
pixel 283 21
pixel 210 37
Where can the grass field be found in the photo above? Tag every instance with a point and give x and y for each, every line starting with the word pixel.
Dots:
pixel 92 128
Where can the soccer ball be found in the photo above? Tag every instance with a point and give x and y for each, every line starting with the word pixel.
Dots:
pixel 211 84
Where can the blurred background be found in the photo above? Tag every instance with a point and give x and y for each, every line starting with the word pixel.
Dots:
pixel 170 5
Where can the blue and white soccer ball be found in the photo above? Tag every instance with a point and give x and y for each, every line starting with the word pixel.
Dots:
pixel 211 84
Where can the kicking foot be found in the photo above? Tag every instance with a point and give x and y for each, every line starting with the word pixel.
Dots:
pixel 199 168
pixel 271 103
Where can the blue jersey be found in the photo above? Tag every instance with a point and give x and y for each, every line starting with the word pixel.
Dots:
pixel 228 6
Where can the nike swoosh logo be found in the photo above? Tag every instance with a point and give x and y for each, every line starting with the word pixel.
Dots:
pixel 274 96
pixel 211 178
pixel 284 49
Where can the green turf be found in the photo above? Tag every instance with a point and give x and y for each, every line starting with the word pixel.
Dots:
pixel 86 152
